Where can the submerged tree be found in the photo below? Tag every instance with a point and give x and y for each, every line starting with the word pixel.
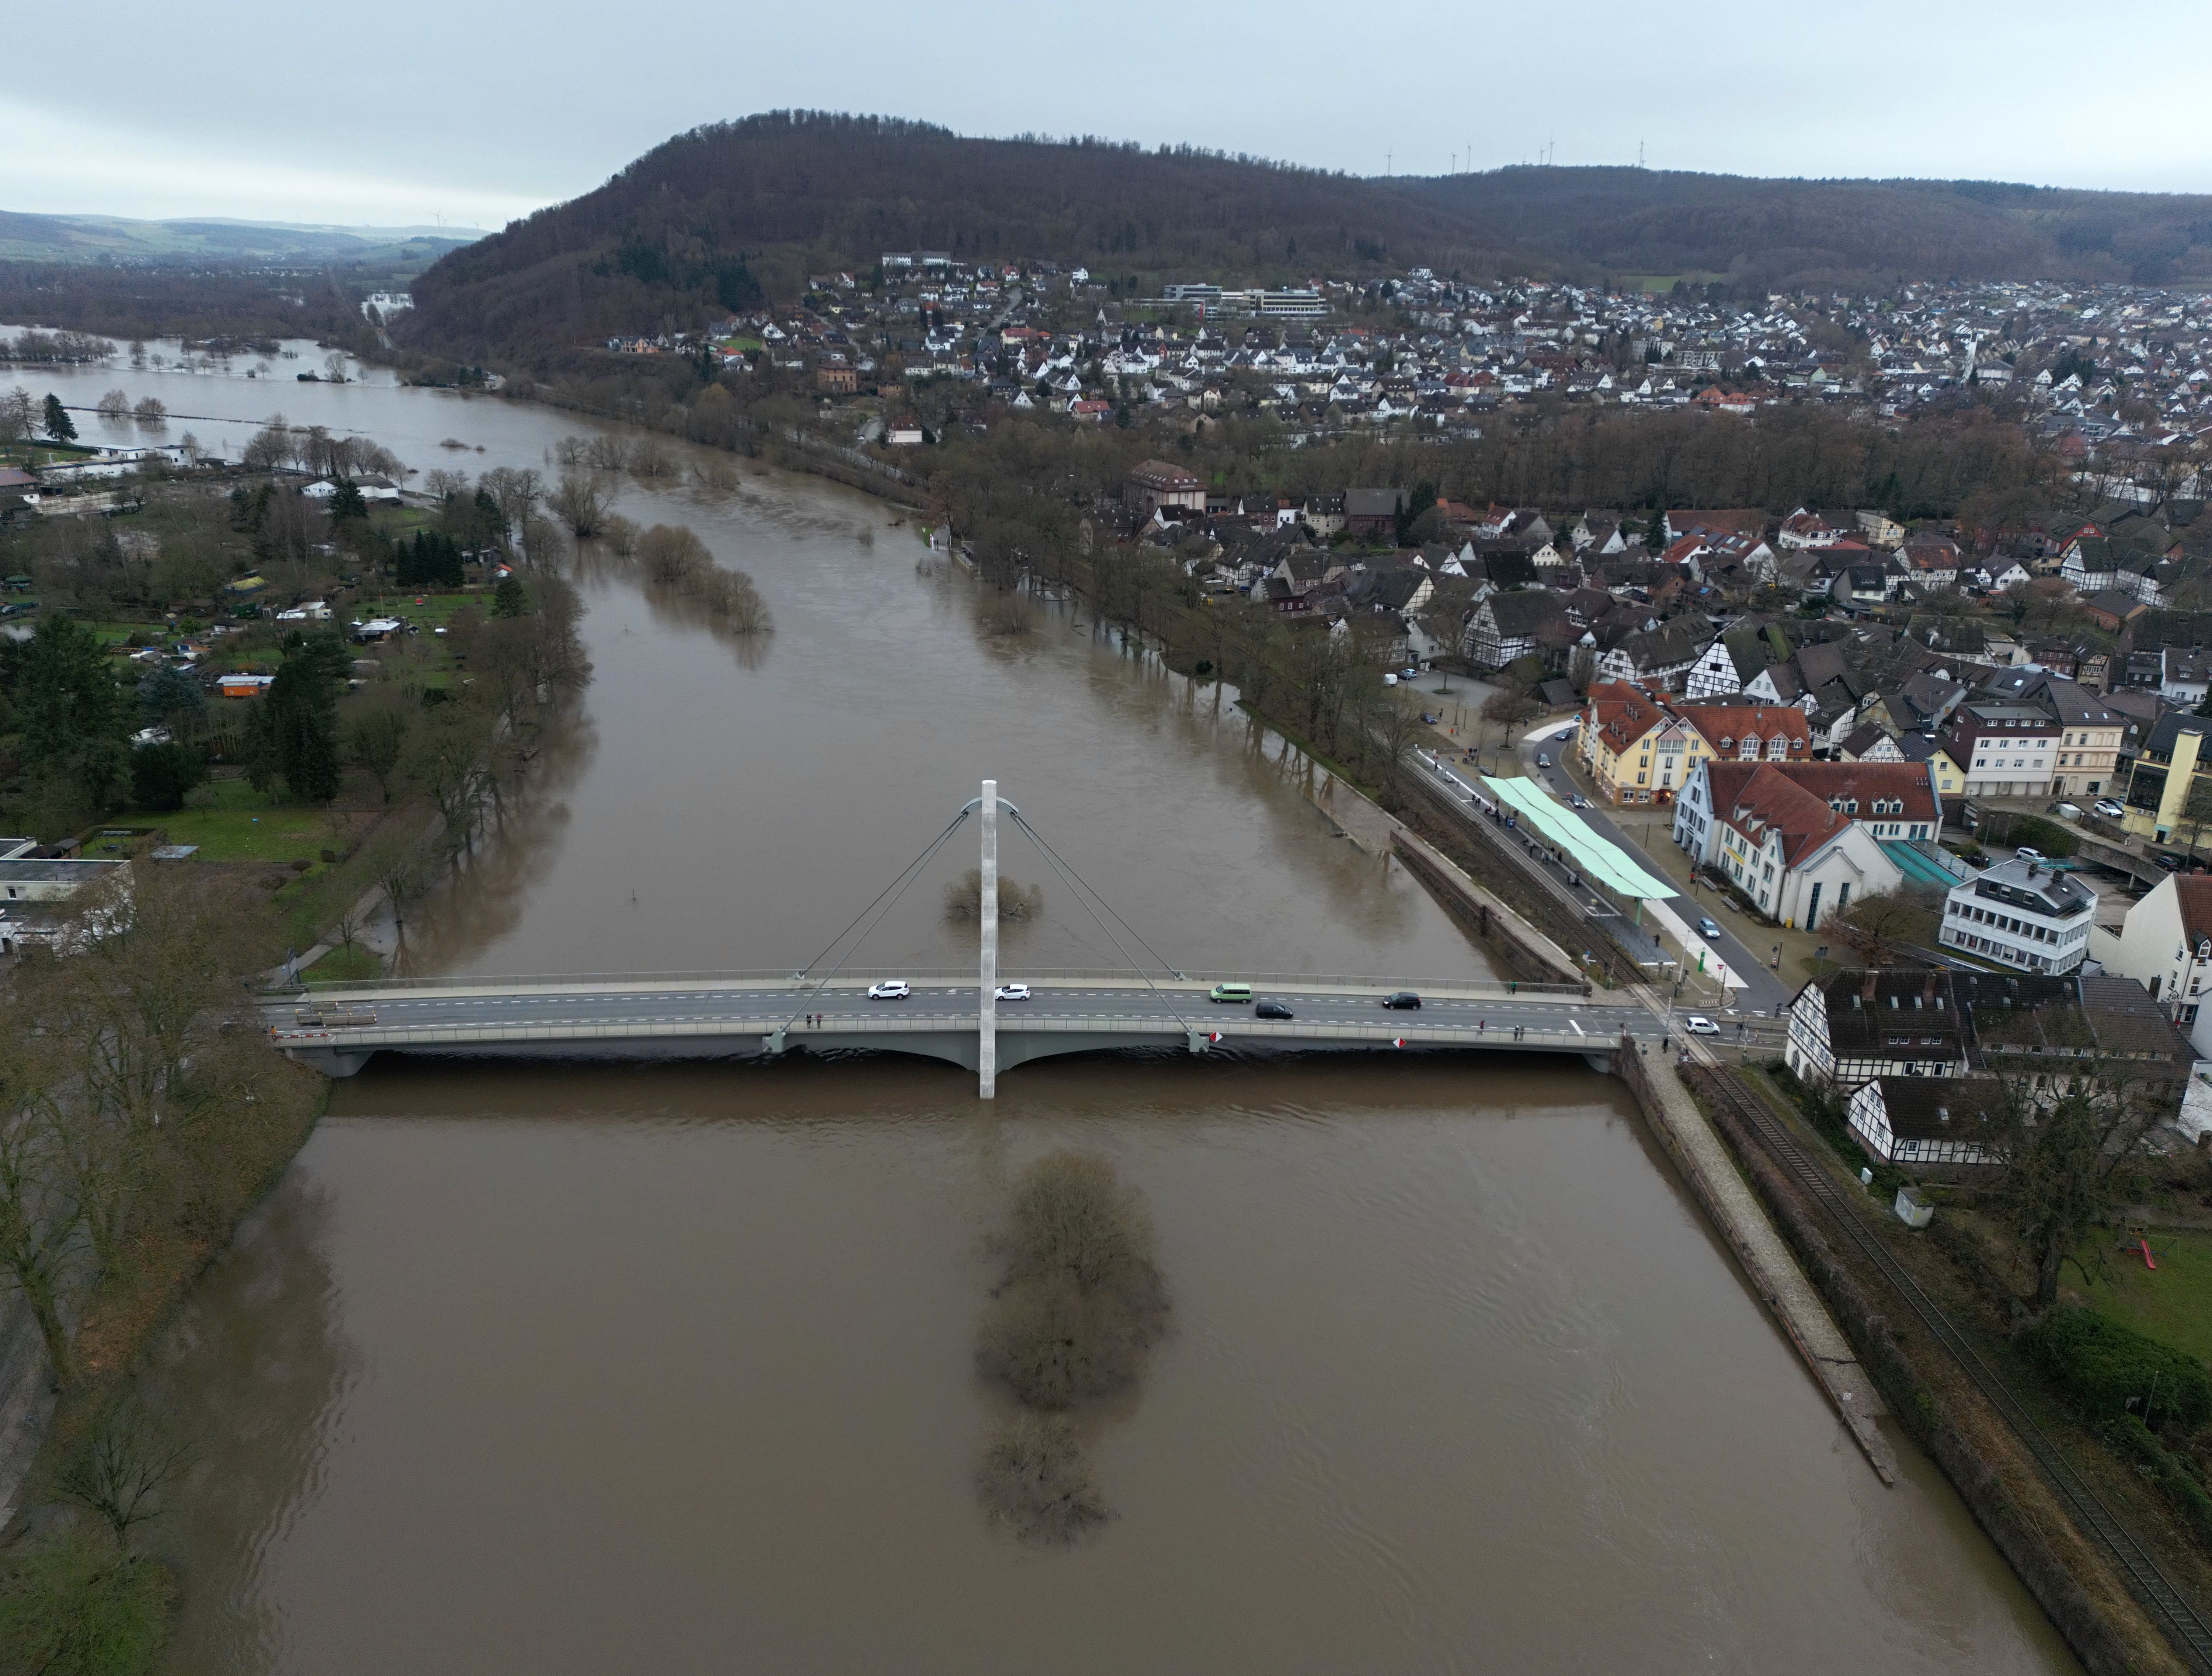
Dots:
pixel 1082 1300
pixel 1035 1481
pixel 963 898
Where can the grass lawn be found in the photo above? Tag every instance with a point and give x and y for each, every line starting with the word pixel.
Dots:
pixel 434 610
pixel 232 821
pixel 344 966
pixel 2172 1304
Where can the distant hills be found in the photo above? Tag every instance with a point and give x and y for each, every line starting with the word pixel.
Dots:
pixel 108 238
pixel 719 217
pixel 1646 221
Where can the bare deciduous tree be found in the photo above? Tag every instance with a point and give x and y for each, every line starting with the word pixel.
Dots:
pixel 120 1471
pixel 18 416
pixel 580 504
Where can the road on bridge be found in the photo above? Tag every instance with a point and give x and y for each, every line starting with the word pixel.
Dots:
pixel 461 1014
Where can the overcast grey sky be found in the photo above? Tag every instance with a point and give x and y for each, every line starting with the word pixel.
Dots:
pixel 407 110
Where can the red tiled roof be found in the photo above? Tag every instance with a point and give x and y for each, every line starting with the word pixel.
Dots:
pixel 2192 894
pixel 1795 798
pixel 1733 722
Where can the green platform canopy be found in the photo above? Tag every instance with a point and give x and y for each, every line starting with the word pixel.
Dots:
pixel 1918 866
pixel 1601 859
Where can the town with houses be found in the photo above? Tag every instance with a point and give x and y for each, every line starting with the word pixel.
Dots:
pixel 2119 377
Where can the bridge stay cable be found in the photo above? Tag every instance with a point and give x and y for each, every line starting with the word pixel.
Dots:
pixel 895 889
pixel 1083 893
pixel 1053 855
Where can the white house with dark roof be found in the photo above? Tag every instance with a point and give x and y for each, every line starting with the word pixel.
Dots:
pixel 2023 915
pixel 2165 945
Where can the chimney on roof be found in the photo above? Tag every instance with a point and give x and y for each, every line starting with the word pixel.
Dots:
pixel 1865 985
pixel 1927 990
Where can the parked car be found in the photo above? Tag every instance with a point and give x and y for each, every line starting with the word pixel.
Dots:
pixel 2024 853
pixel 890 989
pixel 2110 808
pixel 1011 991
pixel 1271 1010
pixel 1427 719
pixel 1708 926
pixel 1236 994
pixel 1697 1024
pixel 1403 1000
pixel 2171 863
pixel 2071 811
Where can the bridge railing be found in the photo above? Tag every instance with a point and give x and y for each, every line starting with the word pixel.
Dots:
pixel 932 976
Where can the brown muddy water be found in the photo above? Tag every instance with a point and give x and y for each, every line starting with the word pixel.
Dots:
pixel 540 1369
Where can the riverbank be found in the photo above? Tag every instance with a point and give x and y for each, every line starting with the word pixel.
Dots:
pixel 1940 1407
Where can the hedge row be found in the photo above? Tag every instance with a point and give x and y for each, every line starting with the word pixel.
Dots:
pixel 2113 1371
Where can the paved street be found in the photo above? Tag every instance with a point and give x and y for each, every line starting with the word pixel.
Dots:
pixel 1645 836
pixel 733 1016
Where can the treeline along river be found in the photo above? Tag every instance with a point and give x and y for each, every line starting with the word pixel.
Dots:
pixel 547 1370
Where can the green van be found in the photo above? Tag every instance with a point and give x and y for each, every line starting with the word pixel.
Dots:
pixel 1235 994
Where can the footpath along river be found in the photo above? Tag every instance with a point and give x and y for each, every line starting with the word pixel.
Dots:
pixel 539 1370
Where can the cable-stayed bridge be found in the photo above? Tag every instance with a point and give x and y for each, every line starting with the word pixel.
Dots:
pixel 958 1017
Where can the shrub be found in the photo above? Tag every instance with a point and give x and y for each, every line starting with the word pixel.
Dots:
pixel 70 1605
pixel 2131 1436
pixel 2037 833
pixel 2113 1370
pixel 163 776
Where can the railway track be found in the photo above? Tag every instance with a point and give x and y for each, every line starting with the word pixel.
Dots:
pixel 2177 1620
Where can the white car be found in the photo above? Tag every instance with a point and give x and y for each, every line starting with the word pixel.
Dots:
pixel 891 989
pixel 2024 853
pixel 1011 991
pixel 2112 809
pixel 1697 1024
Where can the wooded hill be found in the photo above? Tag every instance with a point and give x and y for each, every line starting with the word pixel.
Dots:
pixel 719 217
pixel 1647 222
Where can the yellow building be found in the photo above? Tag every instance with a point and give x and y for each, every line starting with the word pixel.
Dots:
pixel 1640 750
pixel 2170 797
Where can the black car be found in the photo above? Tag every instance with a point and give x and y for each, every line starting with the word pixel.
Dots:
pixel 1404 1000
pixel 1271 1010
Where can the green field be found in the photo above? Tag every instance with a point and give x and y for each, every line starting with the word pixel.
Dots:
pixel 241 824
pixel 436 611
pixel 344 966
pixel 2172 1304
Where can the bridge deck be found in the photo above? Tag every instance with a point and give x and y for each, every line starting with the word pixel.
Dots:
pixel 730 1016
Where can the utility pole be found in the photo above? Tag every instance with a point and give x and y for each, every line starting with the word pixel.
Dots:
pixel 987 1050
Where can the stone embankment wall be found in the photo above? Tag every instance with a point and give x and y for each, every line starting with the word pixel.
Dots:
pixel 1689 1142
pixel 1993 1474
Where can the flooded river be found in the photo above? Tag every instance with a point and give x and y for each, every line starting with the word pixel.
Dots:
pixel 540 1370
